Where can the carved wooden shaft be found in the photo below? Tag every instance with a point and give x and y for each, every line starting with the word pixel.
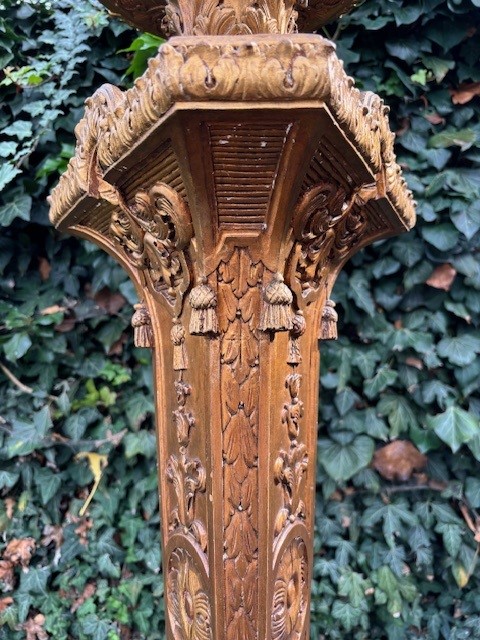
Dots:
pixel 232 183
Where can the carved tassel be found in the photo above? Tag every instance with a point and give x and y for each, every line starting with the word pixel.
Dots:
pixel 328 325
pixel 277 312
pixel 203 301
pixel 298 329
pixel 180 360
pixel 142 326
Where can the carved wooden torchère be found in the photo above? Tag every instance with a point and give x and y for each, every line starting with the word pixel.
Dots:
pixel 232 182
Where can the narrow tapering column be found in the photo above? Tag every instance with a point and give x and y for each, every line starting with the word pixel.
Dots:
pixel 232 183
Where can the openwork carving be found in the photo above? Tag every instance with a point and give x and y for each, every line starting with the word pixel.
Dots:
pixel 153 233
pixel 186 474
pixel 327 225
pixel 291 465
pixel 189 606
pixel 289 67
pixel 290 596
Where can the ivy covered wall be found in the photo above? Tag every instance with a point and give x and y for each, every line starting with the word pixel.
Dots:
pixel 398 530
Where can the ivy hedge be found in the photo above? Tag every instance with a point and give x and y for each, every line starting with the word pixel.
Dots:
pixel 398 524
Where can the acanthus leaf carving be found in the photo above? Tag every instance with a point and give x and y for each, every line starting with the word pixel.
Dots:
pixel 290 466
pixel 188 477
pixel 154 234
pixel 327 225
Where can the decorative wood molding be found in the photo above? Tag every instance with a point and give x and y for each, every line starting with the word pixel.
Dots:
pixel 230 17
pixel 267 69
pixel 232 182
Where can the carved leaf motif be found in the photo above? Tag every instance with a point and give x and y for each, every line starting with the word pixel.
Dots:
pixel 189 606
pixel 188 477
pixel 290 592
pixel 154 233
pixel 183 421
pixel 240 282
pixel 288 472
pixel 327 226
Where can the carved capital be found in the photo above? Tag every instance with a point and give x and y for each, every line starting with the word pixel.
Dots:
pixel 229 17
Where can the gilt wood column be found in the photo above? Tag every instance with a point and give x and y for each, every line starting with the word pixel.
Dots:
pixel 232 182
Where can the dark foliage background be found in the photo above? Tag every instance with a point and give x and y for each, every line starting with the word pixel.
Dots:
pixel 396 547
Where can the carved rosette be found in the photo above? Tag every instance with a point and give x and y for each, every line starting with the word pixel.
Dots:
pixel 290 593
pixel 189 606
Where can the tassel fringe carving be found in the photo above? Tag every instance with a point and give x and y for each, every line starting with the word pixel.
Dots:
pixel 277 312
pixel 177 335
pixel 203 301
pixel 328 325
pixel 297 330
pixel 142 326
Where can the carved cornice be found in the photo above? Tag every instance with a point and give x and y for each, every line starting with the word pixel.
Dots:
pixel 267 69
pixel 226 17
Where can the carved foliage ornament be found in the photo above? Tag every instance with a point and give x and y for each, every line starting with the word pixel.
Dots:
pixel 291 465
pixel 290 596
pixel 293 67
pixel 154 234
pixel 186 474
pixel 189 606
pixel 327 225
pixel 213 17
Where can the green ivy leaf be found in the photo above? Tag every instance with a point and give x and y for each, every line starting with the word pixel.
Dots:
pixel 7 173
pixel 18 207
pixel 463 138
pixel 17 346
pixel 342 461
pixel 442 236
pixel 384 378
pixel 459 350
pixel 399 412
pixel 454 426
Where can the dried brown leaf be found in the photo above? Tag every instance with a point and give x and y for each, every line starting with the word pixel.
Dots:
pixel 109 301
pixel 52 533
pixel 53 309
pixel 398 460
pixel 442 277
pixel 465 92
pixel 7 576
pixel 9 507
pixel 66 325
pixel 435 118
pixel 33 628
pixel 88 592
pixel 44 268
pixel 20 551
pixel 414 362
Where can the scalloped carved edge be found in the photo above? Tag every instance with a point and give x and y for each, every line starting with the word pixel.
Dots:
pixel 222 17
pixel 280 68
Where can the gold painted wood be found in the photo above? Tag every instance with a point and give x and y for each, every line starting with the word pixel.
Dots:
pixel 232 182
pixel 227 17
